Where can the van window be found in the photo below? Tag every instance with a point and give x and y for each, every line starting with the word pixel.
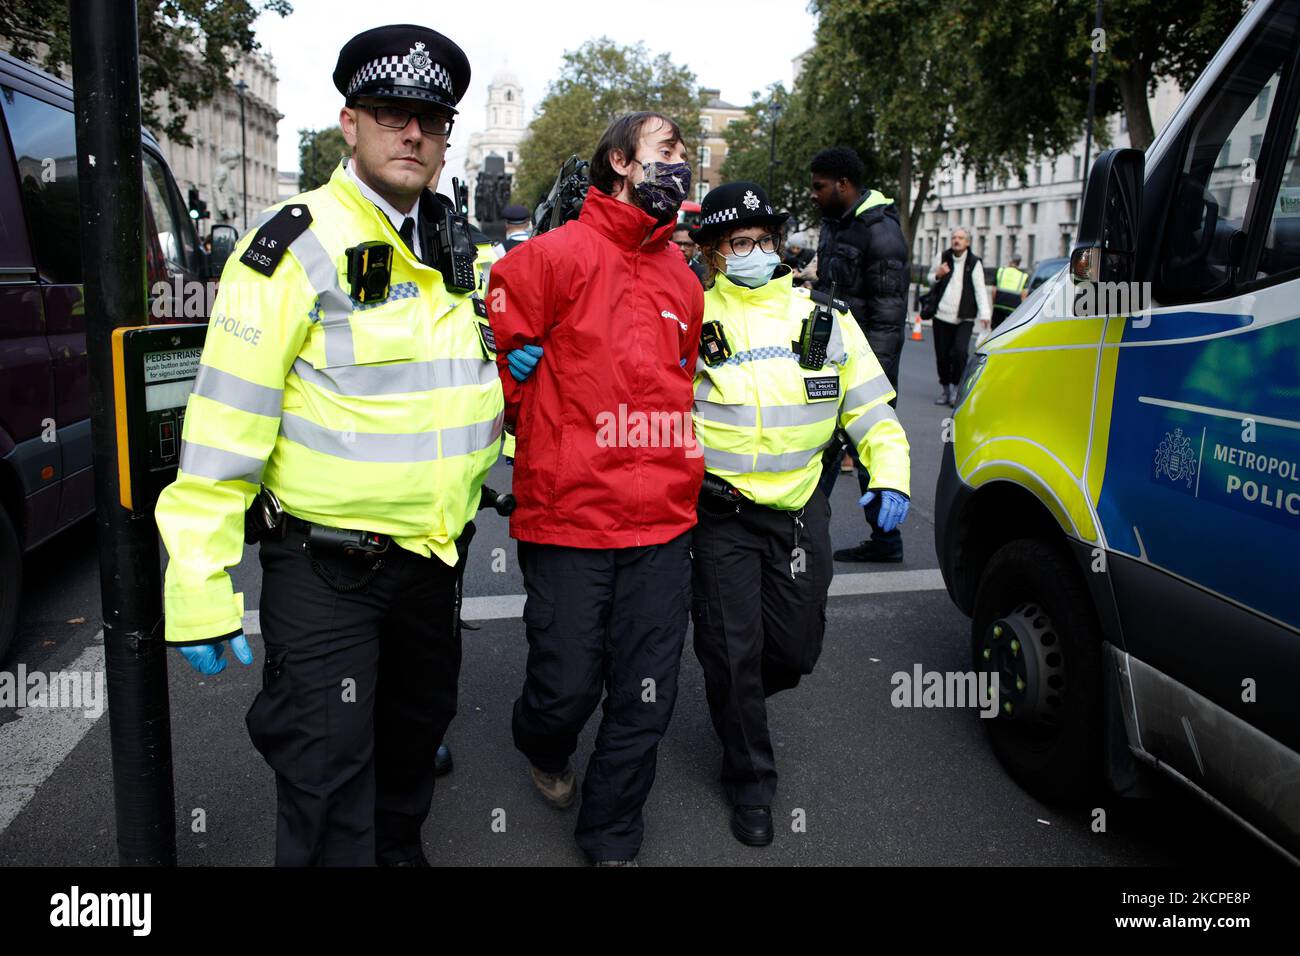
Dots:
pixel 171 230
pixel 14 253
pixel 1205 237
pixel 44 143
pixel 1282 239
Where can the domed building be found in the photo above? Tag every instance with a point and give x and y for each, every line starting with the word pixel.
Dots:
pixel 505 126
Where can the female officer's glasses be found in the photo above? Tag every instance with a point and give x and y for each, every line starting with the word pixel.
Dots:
pixel 743 245
pixel 394 117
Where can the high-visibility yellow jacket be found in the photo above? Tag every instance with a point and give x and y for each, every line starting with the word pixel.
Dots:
pixel 383 416
pixel 763 421
pixel 1011 279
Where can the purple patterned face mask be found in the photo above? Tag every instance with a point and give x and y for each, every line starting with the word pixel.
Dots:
pixel 664 189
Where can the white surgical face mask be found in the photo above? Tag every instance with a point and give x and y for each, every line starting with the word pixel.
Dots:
pixel 754 269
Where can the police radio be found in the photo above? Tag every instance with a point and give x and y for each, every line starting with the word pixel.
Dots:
pixel 815 335
pixel 453 247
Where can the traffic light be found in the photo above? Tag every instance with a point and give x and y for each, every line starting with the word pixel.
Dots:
pixel 198 208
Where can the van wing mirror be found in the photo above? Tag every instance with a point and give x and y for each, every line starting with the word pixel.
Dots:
pixel 223 239
pixel 1106 250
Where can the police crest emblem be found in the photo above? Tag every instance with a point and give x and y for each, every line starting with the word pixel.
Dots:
pixel 750 200
pixel 1176 458
pixel 418 58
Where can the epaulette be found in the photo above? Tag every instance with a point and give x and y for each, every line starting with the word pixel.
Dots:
pixel 274 238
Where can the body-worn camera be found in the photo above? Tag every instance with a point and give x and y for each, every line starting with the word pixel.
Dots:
pixel 713 344
pixel 370 271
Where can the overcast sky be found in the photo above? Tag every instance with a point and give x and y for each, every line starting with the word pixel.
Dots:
pixel 738 46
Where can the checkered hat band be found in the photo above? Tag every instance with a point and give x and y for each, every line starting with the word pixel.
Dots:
pixel 722 215
pixel 398 69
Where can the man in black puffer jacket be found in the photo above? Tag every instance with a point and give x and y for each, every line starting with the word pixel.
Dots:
pixel 862 254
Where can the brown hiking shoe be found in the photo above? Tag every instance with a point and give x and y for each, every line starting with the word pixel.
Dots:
pixel 557 789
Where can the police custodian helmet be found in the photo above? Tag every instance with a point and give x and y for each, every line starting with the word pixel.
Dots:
pixel 403 60
pixel 736 204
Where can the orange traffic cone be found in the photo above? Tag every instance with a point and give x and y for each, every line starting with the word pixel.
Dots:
pixel 916 329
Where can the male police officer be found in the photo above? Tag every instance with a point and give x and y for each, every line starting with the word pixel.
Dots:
pixel 345 373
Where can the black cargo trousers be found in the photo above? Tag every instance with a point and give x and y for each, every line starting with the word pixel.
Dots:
pixel 760 615
pixel 611 621
pixel 358 688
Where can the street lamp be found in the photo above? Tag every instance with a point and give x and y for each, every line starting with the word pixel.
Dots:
pixel 701 179
pixel 774 109
pixel 1092 101
pixel 240 87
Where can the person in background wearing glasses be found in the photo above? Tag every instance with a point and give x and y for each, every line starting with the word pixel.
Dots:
pixel 684 241
pixel 345 415
pixel 780 369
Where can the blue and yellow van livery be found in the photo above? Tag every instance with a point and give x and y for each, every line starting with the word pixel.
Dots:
pixel 1119 507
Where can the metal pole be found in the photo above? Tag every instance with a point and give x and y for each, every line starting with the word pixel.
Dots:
pixel 771 160
pixel 106 79
pixel 243 148
pixel 1092 104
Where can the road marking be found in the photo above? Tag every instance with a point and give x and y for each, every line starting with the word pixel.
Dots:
pixel 33 746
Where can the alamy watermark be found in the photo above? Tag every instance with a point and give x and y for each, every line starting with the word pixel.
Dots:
pixel 56 690
pixel 920 688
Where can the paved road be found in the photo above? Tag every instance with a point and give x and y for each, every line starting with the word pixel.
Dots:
pixel 875 784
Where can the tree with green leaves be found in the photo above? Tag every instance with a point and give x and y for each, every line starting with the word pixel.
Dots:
pixel 319 151
pixel 1144 41
pixel 915 88
pixel 187 49
pixel 599 82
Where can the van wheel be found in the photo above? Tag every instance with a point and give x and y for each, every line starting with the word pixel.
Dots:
pixel 11 583
pixel 1035 628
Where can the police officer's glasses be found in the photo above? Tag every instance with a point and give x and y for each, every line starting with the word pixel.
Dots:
pixel 743 245
pixel 394 117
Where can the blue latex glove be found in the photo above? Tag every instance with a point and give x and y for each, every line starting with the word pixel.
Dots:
pixel 523 361
pixel 893 507
pixel 207 658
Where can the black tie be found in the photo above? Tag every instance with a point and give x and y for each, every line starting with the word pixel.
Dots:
pixel 407 232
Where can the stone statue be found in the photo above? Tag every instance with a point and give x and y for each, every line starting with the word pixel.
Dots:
pixel 484 200
pixel 503 192
pixel 226 188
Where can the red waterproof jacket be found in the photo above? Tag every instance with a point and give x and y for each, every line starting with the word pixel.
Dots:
pixel 606 455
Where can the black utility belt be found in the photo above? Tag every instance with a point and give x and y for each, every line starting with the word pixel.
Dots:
pixel 719 498
pixel 342 540
pixel 266 519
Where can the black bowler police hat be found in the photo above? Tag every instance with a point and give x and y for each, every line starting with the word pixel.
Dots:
pixel 406 61
pixel 736 204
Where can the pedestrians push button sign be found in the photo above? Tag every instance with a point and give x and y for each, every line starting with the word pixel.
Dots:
pixel 154 368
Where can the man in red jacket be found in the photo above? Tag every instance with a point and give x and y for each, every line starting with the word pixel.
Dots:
pixel 597 326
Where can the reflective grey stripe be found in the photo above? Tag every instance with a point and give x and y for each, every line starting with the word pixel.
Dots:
pixel 782 416
pixel 467 439
pixel 790 461
pixel 835 347
pixel 727 461
pixel 238 392
pixel 858 430
pixel 219 464
pixel 738 415
pixel 335 305
pixel 705 387
pixel 747 464
pixel 399 378
pixel 868 391
pixel 407 447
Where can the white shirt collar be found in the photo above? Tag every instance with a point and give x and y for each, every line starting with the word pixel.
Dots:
pixel 395 216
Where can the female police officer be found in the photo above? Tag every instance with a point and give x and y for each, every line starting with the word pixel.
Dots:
pixel 780 369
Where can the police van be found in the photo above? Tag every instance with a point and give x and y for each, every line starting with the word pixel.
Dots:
pixel 1118 510
pixel 46 482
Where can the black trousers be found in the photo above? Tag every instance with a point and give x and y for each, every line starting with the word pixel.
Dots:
pixel 357 691
pixel 759 621
pixel 951 343
pixel 609 621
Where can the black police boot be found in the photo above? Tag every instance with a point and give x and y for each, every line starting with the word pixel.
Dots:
pixel 442 761
pixel 871 550
pixel 943 395
pixel 752 826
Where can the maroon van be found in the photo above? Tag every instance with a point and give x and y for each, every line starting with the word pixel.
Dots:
pixel 45 461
